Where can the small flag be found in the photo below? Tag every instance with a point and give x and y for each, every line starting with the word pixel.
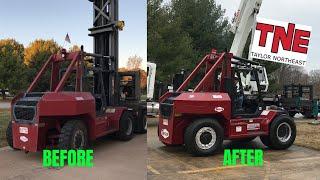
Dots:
pixel 67 38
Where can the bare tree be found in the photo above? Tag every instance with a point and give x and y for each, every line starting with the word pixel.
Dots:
pixel 134 62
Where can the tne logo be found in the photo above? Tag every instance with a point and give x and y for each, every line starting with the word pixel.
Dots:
pixel 290 37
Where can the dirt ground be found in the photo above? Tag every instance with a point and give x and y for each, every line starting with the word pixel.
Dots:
pixel 308 135
pixel 297 162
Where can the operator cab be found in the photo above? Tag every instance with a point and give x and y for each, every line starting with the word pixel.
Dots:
pixel 243 104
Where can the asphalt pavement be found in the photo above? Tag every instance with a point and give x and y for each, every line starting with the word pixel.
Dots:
pixel 113 159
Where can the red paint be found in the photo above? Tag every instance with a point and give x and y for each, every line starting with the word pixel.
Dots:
pixel 57 106
pixel 207 102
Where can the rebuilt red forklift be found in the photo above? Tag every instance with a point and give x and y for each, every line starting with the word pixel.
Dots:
pixel 217 109
pixel 83 102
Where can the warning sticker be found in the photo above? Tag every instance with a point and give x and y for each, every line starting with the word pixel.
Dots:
pixel 253 126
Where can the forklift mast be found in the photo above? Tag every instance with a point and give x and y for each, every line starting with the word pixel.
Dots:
pixel 106 36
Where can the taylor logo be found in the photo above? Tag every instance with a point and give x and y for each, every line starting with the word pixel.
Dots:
pixel 219 109
pixel 23 139
pixel 282 42
pixel 165 133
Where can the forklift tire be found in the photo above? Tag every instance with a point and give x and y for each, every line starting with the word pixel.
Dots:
pixel 265 140
pixel 282 133
pixel 74 135
pixel 203 137
pixel 126 127
pixel 142 126
pixel 9 135
pixel 292 114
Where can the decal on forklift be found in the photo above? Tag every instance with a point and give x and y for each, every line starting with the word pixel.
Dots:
pixel 253 126
pixel 23 130
pixel 79 98
pixel 248 157
pixel 219 109
pixel 164 133
pixel 216 96
pixel 23 139
pixel 165 122
pixel 72 158
pixel 264 113
pixel 191 96
pixel 238 128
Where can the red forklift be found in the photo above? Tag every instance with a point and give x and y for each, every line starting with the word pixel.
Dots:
pixel 215 109
pixel 83 102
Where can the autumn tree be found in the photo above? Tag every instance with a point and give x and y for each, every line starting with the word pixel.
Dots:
pixel 12 69
pixel 134 62
pixel 35 55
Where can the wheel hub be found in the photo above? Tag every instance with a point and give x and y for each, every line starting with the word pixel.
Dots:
pixel 78 140
pixel 284 132
pixel 206 138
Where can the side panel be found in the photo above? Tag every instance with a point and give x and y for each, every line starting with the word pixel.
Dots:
pixel 249 127
pixel 203 104
pixel 109 123
pixel 25 137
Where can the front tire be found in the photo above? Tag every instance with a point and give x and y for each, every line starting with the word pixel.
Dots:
pixel 203 137
pixel 282 133
pixel 74 135
pixel 141 126
pixel 126 127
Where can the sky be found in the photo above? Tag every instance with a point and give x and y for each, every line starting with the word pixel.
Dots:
pixel 295 11
pixel 26 21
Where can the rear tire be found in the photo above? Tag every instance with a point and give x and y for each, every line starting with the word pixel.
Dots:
pixel 292 114
pixel 126 127
pixel 141 122
pixel 282 133
pixel 203 137
pixel 74 135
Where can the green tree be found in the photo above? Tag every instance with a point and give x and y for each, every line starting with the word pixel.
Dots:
pixel 182 32
pixel 12 69
pixel 36 54
pixel 168 45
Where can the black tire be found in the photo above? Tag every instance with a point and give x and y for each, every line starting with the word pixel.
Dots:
pixel 244 140
pixel 9 135
pixel 126 128
pixel 141 125
pixel 74 135
pixel 292 114
pixel 265 140
pixel 190 137
pixel 280 138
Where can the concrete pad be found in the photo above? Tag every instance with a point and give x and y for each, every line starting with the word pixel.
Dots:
pixel 174 163
pixel 113 159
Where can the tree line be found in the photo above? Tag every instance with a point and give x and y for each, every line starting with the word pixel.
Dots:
pixel 19 65
pixel 181 32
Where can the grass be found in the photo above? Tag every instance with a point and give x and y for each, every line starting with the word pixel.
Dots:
pixel 308 135
pixel 8 99
pixel 4 120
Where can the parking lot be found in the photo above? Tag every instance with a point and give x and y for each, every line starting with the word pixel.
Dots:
pixel 113 159
pixel 174 163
